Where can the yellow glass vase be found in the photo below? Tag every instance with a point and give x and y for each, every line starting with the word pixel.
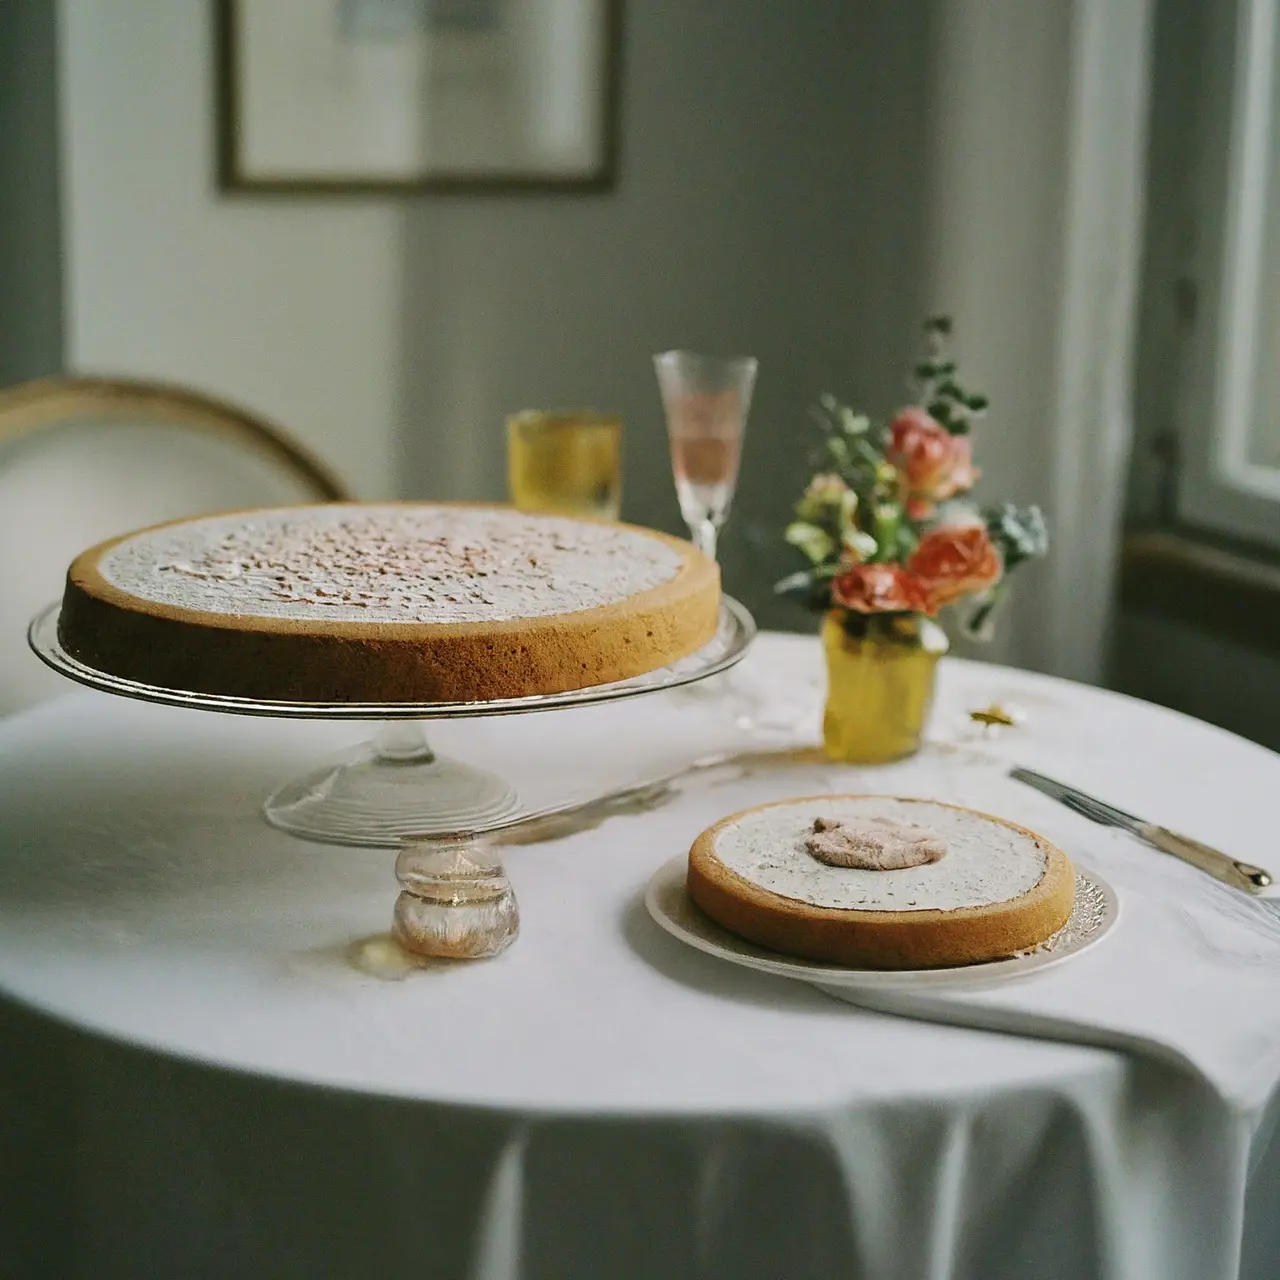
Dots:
pixel 880 676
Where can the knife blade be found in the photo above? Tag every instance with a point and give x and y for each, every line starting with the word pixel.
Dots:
pixel 1232 871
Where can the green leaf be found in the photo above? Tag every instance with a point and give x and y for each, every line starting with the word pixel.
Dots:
pixel 848 508
pixel 1019 532
pixel 816 543
pixel 976 403
pixel 862 545
pixel 838 449
pixel 945 413
pixel 938 324
pixel 885 519
pixel 868 454
pixel 801 581
pixel 979 623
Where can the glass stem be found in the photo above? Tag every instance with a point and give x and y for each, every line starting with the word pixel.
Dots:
pixel 704 536
pixel 402 742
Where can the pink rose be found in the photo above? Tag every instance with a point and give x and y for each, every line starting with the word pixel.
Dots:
pixel 934 464
pixel 880 588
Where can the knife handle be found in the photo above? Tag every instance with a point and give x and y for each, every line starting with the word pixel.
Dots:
pixel 1242 875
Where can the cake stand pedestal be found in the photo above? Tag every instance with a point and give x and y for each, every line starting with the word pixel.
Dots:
pixel 395 785
pixel 392 786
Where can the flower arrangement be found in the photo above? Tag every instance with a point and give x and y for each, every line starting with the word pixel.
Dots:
pixel 886 525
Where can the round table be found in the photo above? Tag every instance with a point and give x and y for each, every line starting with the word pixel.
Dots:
pixel 210 1066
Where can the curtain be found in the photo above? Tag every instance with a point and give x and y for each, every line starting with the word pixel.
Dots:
pixel 1034 248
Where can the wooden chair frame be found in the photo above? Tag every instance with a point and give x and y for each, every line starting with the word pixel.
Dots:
pixel 32 406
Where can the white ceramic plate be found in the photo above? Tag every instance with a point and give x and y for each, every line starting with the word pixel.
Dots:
pixel 671 907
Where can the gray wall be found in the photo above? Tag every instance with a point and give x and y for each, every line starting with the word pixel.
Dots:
pixel 30 278
pixel 770 202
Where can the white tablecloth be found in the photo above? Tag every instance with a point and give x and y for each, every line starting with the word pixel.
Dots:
pixel 196 1080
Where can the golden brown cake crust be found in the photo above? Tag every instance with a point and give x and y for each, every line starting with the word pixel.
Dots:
pixel 323 660
pixel 917 939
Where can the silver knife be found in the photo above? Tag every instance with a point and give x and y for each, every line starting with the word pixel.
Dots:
pixel 1242 875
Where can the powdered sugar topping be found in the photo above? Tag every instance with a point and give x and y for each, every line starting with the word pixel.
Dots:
pixel 389 563
pixel 986 861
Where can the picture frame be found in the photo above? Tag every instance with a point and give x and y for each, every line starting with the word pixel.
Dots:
pixel 316 96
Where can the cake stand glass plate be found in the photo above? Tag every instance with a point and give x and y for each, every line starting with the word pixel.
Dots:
pixel 395 785
pixel 668 902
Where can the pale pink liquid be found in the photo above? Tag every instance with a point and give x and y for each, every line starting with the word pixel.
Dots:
pixel 706 473
pixel 706 445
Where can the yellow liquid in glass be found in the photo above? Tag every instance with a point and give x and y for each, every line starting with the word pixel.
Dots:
pixel 565 465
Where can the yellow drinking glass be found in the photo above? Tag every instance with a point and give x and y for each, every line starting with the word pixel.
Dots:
pixel 567 464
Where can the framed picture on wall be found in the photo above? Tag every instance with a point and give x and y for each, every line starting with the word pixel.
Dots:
pixel 331 95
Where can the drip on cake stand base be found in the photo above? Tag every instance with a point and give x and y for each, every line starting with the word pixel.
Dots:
pixel 395 785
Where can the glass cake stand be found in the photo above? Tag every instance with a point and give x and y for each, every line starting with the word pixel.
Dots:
pixel 395 785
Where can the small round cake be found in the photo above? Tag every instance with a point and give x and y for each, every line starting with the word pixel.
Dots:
pixel 881 883
pixel 388 602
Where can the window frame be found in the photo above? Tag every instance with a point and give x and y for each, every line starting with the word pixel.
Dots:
pixel 1218 487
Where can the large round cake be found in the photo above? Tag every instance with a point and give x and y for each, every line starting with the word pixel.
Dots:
pixel 980 888
pixel 391 602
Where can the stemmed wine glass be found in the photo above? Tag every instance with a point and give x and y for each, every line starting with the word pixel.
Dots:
pixel 706 400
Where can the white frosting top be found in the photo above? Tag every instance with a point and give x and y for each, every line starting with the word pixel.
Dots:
pixel 366 563
pixel 986 861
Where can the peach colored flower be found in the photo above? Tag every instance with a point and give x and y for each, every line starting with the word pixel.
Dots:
pixel 880 588
pixel 954 561
pixel 934 464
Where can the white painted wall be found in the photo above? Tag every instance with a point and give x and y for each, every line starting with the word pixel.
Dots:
pixel 291 306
